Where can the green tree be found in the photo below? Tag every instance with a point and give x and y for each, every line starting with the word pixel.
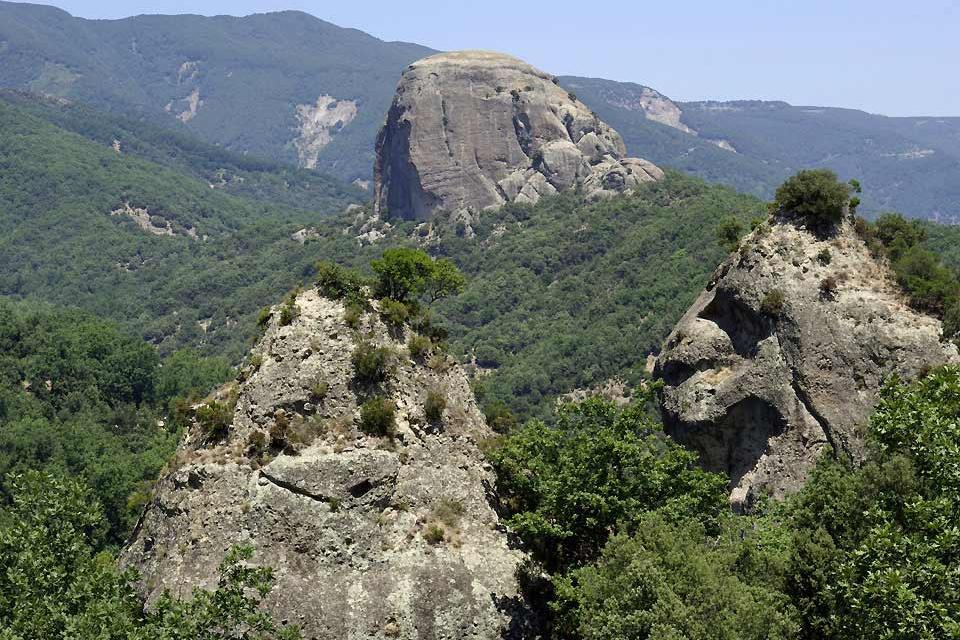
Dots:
pixel 402 273
pixel 729 233
pixel 444 280
pixel 815 195
pixel 598 471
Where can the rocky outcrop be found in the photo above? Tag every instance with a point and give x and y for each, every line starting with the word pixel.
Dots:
pixel 370 537
pixel 782 356
pixel 474 129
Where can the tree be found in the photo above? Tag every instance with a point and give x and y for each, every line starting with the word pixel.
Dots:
pixel 444 280
pixel 402 273
pixel 598 471
pixel 729 232
pixel 815 195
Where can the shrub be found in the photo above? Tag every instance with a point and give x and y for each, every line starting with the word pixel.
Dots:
pixel 449 512
pixel 352 315
pixel 394 312
pixel 433 405
pixel 334 281
pixel 816 195
pixel 729 232
pixel 434 533
pixel 264 318
pixel 829 285
pixel 773 302
pixel 279 430
pixel 320 390
pixel 214 418
pixel 289 311
pixel 824 256
pixel 256 444
pixel 370 363
pixel 419 346
pixel 377 417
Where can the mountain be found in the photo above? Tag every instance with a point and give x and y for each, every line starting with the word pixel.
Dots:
pixel 906 164
pixel 148 243
pixel 282 86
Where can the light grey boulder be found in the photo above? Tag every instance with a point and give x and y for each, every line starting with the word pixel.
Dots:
pixel 370 537
pixel 762 392
pixel 464 127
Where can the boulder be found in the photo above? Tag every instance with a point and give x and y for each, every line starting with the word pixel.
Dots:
pixel 465 128
pixel 781 358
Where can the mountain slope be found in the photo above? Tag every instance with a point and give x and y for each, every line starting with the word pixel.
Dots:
pixel 908 164
pixel 138 242
pixel 283 86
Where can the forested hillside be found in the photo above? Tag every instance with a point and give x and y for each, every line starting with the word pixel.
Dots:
pixel 281 86
pixel 147 245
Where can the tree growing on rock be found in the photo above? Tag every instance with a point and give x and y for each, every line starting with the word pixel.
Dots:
pixel 405 275
pixel 814 195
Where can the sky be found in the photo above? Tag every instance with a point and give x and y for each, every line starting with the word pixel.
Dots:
pixel 884 56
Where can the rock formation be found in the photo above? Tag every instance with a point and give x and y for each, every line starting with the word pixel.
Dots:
pixel 370 537
pixel 782 356
pixel 475 129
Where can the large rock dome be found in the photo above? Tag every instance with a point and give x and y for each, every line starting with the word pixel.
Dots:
pixel 475 129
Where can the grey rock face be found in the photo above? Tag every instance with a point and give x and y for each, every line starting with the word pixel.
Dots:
pixel 370 537
pixel 762 392
pixel 474 129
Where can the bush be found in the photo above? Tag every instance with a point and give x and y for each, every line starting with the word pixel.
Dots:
pixel 289 311
pixel 371 363
pixel 264 318
pixel 433 405
pixel 214 418
pixel 829 285
pixel 419 346
pixel 729 232
pixel 394 312
pixel 336 282
pixel 773 303
pixel 816 195
pixel 352 315
pixel 320 390
pixel 377 417
pixel 434 533
pixel 824 256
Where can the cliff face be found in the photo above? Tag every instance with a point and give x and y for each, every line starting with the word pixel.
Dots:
pixel 474 129
pixel 370 537
pixel 782 356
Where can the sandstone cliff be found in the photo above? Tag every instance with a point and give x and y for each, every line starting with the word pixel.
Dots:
pixel 474 129
pixel 782 356
pixel 371 537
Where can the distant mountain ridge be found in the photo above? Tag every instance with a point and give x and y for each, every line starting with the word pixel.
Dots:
pixel 292 88
pixel 907 164
pixel 282 86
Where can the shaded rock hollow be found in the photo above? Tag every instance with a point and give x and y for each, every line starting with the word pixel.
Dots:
pixel 350 522
pixel 475 129
pixel 761 389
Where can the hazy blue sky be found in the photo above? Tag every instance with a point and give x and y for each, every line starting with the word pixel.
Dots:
pixel 885 56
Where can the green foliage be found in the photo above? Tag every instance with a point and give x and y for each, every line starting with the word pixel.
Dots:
pixel 875 547
pixel 371 364
pixel 772 303
pixel 402 273
pixel 434 533
pixel 444 280
pixel 340 283
pixel 669 580
pixel 320 390
pixel 53 584
pixel 815 195
pixel 598 471
pixel 289 309
pixel 394 312
pixel 729 232
pixel 824 256
pixel 214 419
pixel 419 346
pixel 434 405
pixel 377 417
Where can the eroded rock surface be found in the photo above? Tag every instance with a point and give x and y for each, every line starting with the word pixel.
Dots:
pixel 475 129
pixel 761 389
pixel 370 537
